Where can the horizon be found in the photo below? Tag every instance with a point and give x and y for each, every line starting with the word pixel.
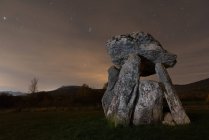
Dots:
pixel 62 42
pixel 89 86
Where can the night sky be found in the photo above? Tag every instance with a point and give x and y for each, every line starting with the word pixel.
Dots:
pixel 62 42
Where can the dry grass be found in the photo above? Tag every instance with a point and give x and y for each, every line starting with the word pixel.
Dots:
pixel 67 125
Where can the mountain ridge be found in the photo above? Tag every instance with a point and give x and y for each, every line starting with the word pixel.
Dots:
pixel 196 89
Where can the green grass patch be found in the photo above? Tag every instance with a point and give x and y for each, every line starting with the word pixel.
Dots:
pixel 93 125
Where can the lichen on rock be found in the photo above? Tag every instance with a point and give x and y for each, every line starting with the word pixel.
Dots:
pixel 129 100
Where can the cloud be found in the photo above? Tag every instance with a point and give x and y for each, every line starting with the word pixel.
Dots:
pixel 50 39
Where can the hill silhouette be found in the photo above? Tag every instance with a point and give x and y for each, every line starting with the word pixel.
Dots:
pixel 84 96
pixel 196 91
pixel 65 90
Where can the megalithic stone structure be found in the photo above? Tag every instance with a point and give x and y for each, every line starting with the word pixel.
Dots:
pixel 129 100
pixel 174 103
pixel 126 90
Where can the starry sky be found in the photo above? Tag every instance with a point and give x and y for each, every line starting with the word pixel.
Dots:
pixel 62 42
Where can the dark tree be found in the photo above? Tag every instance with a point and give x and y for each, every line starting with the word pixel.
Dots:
pixel 33 87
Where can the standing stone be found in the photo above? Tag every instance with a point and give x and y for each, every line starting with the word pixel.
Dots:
pixel 131 100
pixel 174 103
pixel 125 91
pixel 149 104
pixel 113 73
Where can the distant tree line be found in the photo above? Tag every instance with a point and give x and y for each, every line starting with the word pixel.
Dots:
pixel 79 96
pixel 82 97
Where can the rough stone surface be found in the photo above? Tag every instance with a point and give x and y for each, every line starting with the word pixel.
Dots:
pixel 113 73
pixel 125 91
pixel 129 100
pixel 168 119
pixel 149 50
pixel 149 104
pixel 174 103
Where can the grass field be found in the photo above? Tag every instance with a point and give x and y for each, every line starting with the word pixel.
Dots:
pixel 92 125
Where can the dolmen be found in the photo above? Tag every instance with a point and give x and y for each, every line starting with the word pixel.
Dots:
pixel 128 100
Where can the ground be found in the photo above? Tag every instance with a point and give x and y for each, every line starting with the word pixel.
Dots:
pixel 92 125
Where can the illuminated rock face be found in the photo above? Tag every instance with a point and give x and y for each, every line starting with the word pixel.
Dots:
pixel 149 104
pixel 129 100
pixel 142 44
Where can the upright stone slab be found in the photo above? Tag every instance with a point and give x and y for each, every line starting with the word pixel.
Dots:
pixel 149 104
pixel 113 73
pixel 174 103
pixel 125 91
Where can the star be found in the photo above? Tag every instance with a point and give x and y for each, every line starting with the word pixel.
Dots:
pixel 90 29
pixel 4 18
